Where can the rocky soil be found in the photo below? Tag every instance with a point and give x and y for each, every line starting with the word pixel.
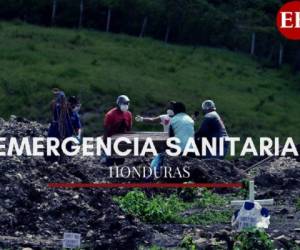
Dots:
pixel 34 215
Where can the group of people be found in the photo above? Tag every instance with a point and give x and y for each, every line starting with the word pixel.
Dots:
pixel 179 124
pixel 176 122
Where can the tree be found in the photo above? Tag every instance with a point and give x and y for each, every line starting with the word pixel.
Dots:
pixel 110 4
pixel 146 8
pixel 80 14
pixel 54 3
pixel 174 10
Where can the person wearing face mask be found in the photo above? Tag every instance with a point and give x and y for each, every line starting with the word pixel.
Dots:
pixel 212 126
pixel 164 119
pixel 182 127
pixel 74 108
pixel 118 120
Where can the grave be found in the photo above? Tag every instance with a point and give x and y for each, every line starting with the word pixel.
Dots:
pixel 252 214
pixel 71 240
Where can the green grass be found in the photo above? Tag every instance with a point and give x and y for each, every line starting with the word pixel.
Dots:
pixel 208 209
pixel 158 209
pixel 209 198
pixel 253 100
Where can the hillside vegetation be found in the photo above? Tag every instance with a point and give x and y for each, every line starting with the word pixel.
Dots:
pixel 254 101
pixel 218 23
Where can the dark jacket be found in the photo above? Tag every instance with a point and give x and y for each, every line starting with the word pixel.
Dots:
pixel 211 126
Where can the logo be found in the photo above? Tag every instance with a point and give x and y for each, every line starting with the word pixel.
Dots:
pixel 288 20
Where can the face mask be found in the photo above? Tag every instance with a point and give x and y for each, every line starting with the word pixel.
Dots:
pixel 76 109
pixel 124 107
pixel 170 112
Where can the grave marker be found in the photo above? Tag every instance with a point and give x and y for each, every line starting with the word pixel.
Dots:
pixel 251 214
pixel 71 240
pixel 266 202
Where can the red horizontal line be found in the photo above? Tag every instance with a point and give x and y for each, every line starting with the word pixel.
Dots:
pixel 145 185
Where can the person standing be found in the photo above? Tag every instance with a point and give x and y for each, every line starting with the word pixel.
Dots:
pixel 61 125
pixel 74 109
pixel 118 120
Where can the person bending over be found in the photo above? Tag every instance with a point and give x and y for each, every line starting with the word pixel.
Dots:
pixel 182 127
pixel 211 126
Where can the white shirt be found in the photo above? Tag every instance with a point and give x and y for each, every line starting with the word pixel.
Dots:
pixel 165 120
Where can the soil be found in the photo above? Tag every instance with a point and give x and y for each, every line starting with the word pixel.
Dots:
pixel 34 215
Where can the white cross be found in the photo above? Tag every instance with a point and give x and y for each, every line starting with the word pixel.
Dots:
pixel 267 202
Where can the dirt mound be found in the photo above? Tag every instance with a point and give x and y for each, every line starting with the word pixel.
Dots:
pixel 280 177
pixel 31 214
pixel 29 208
pixel 34 215
pixel 210 170
pixel 20 127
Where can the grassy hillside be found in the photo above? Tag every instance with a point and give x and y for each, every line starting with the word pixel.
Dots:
pixel 253 100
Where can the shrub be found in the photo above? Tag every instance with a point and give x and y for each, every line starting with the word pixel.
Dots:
pixel 253 239
pixel 158 209
pixel 209 198
pixel 188 243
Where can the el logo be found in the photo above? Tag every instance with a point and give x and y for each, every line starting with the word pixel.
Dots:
pixel 288 20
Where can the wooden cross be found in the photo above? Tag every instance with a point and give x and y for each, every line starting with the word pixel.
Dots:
pixel 267 202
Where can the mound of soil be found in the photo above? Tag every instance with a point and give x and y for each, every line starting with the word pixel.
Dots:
pixel 32 214
pixel 209 170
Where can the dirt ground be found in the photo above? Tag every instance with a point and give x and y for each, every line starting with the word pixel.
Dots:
pixel 34 215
